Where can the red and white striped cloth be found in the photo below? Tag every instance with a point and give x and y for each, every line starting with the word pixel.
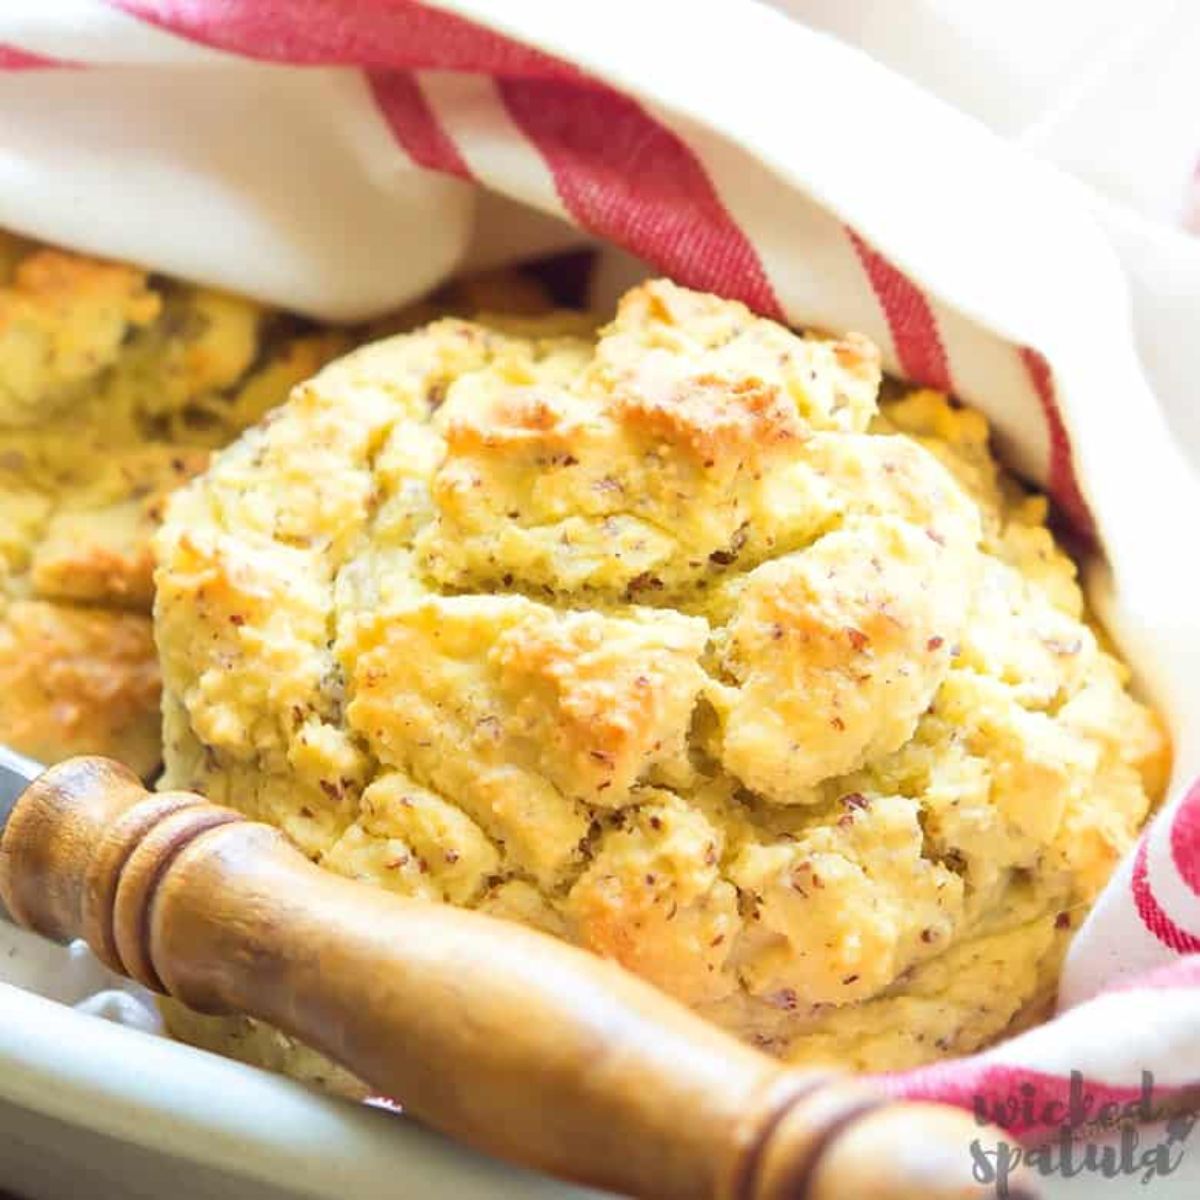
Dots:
pixel 327 154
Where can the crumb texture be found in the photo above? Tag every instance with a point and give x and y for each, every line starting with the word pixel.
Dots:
pixel 673 640
pixel 115 387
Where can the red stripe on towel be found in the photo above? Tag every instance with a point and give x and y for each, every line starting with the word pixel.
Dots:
pixel 1185 839
pixel 1155 919
pixel 414 123
pixel 1062 483
pixel 625 177
pixel 12 58
pixel 911 321
pixel 1021 1100
pixel 365 33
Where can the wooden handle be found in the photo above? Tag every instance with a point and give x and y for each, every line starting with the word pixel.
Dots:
pixel 505 1038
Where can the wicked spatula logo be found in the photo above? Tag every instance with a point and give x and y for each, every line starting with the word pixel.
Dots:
pixel 1138 1138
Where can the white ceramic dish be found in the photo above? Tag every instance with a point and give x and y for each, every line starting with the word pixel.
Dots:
pixel 90 1110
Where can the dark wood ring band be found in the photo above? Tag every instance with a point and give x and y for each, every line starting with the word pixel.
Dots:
pixel 745 1176
pixel 793 1179
pixel 140 881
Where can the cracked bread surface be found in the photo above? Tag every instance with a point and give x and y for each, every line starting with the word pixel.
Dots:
pixel 115 386
pixel 672 640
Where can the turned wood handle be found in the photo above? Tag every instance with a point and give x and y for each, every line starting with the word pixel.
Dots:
pixel 505 1038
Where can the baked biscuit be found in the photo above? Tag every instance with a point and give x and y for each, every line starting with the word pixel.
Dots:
pixel 78 677
pixel 115 387
pixel 669 641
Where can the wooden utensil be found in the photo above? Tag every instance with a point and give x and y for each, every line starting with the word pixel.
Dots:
pixel 505 1038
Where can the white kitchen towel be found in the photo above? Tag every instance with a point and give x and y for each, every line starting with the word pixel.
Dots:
pixel 1104 89
pixel 330 155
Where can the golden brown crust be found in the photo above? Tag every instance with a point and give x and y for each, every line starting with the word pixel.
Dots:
pixel 78 678
pixel 105 375
pixel 711 419
pixel 63 319
pixel 102 554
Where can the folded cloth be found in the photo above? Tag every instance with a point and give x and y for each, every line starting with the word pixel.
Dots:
pixel 1106 90
pixel 330 155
